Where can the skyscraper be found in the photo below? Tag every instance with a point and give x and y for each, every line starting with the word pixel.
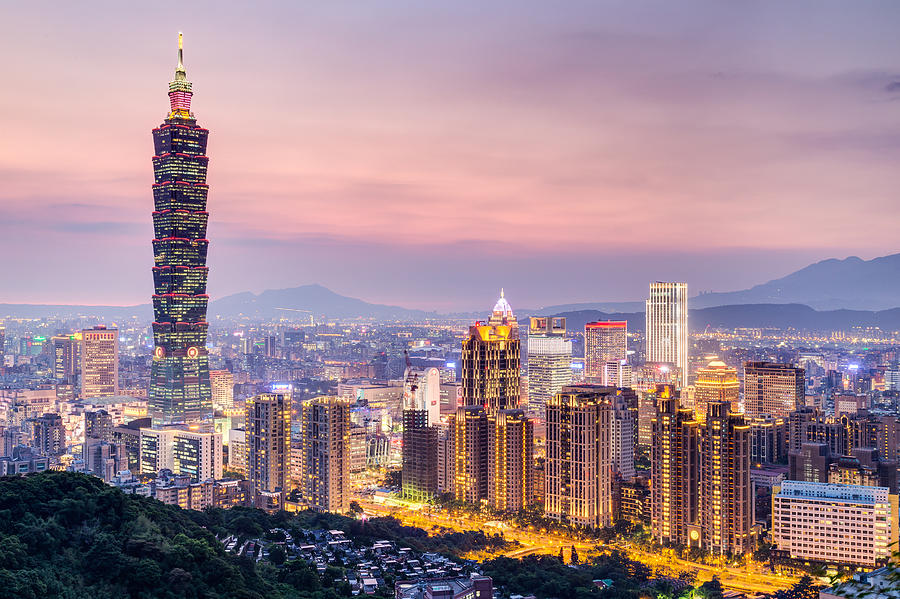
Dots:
pixel 716 382
pixel 469 433
pixel 604 342
pixel 267 426
pixel 578 467
pixel 179 380
pixel 726 502
pixel 325 454
pixel 622 423
pixel 99 362
pixel 490 361
pixel 674 474
pixel 420 457
pixel 511 461
pixel 773 389
pixel 549 360
pixel 667 325
pixel 66 358
pixel 222 385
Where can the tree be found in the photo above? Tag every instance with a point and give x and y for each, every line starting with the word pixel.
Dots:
pixel 355 508
pixel 711 589
pixel 574 555
pixel 562 558
pixel 277 555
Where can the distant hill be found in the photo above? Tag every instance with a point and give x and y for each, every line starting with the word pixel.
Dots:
pixel 780 316
pixel 297 301
pixel 851 283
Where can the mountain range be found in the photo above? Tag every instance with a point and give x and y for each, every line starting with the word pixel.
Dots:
pixel 844 292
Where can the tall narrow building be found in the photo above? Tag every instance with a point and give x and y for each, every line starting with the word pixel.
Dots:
pixel 267 426
pixel 511 448
pixel 726 501
pixel 66 358
pixel 667 325
pixel 179 379
pixel 674 473
pixel 549 360
pixel 325 454
pixel 420 457
pixel 99 362
pixel 578 468
pixel 469 439
pixel 491 361
pixel 605 343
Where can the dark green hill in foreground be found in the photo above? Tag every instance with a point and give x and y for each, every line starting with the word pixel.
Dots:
pixel 71 536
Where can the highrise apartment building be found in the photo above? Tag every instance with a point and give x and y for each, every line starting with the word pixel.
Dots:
pixel 549 360
pixel 99 362
pixel 578 466
pixel 773 389
pixel 325 454
pixel 726 500
pixel 716 382
pixel 667 325
pixel 179 379
pixel 674 479
pixel 222 386
pixel 66 358
pixel 622 425
pixel 491 361
pixel 192 453
pixel 469 437
pixel 605 343
pixel 420 457
pixel 267 426
pixel 511 460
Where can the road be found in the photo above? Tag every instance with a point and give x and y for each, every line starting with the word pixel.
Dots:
pixel 750 578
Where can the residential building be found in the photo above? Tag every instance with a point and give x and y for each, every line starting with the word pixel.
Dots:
pixel 99 362
pixel 267 426
pixel 772 389
pixel 325 454
pixel 510 460
pixel 549 360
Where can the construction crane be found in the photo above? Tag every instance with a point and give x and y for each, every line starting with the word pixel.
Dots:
pixel 412 381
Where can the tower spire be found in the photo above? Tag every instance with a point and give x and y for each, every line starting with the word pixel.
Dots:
pixel 180 88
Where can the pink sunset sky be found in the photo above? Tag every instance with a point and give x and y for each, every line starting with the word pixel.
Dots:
pixel 425 154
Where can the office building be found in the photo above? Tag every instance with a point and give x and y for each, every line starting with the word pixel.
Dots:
pixel 667 326
pixel 103 459
pixel 66 358
pixel 549 360
pixel 674 468
pixel 604 343
pixel 267 426
pixel 834 524
pixel 98 424
pixel 469 433
pixel 325 454
pixel 490 361
pixel 769 440
pixel 195 454
pixel 622 423
pixel 716 382
pixel 180 392
pixel 420 457
pixel 726 495
pixel 510 461
pixel 578 466
pixel 99 362
pixel 222 386
pixel 772 389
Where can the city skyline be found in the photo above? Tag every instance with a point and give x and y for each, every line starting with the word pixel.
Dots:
pixel 698 138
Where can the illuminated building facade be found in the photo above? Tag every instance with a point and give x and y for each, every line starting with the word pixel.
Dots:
pixel 179 381
pixel 667 325
pixel 773 389
pixel 267 433
pixel 549 360
pixel 578 466
pixel 195 454
pixel 491 361
pixel 726 495
pixel 99 362
pixel 325 454
pixel 833 523
pixel 420 457
pixel 511 460
pixel 66 358
pixel 716 382
pixel 604 342
pixel 622 423
pixel 674 479
pixel 222 386
pixel 469 438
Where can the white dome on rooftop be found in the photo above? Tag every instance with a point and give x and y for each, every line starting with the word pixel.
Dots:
pixel 502 305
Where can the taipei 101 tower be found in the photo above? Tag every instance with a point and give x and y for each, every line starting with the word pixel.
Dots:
pixel 180 391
